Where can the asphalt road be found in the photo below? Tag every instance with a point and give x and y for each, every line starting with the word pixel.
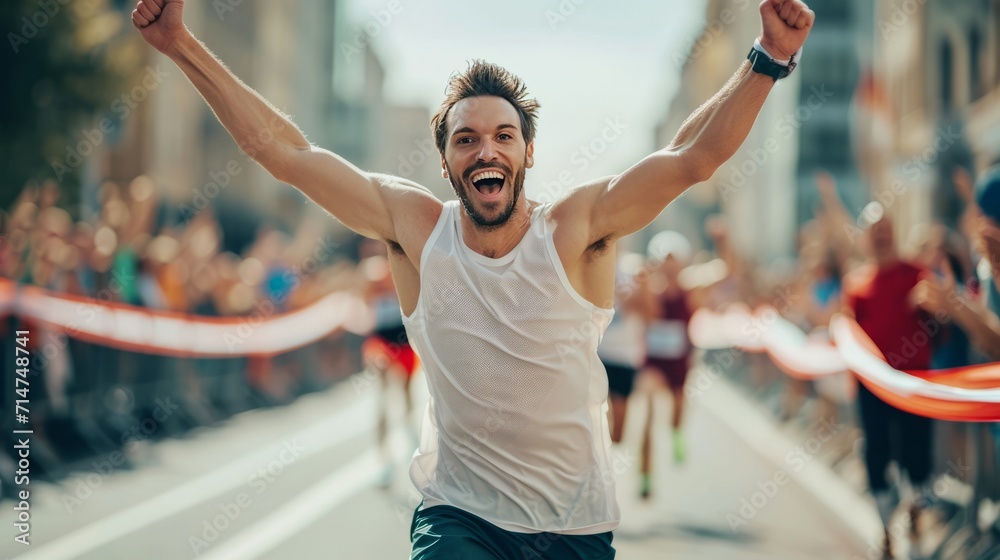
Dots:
pixel 299 482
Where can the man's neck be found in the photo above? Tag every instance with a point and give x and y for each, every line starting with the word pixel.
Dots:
pixel 498 242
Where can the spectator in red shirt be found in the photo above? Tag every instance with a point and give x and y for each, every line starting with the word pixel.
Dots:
pixel 878 296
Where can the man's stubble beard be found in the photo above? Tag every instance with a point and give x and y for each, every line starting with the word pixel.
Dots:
pixel 478 219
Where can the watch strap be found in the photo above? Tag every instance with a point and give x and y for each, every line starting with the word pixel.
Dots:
pixel 763 63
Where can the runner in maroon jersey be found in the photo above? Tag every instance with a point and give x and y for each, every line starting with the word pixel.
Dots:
pixel 668 349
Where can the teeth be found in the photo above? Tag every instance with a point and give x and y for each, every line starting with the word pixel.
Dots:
pixel 487 175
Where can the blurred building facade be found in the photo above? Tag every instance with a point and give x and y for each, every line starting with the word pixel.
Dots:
pixel 304 56
pixel 939 65
pixel 829 80
pixel 374 133
pixel 281 48
pixel 755 190
pixel 890 96
pixel 879 85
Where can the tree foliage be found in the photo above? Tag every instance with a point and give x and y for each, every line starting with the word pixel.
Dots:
pixel 64 61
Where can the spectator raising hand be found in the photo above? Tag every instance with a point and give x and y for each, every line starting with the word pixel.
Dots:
pixel 936 294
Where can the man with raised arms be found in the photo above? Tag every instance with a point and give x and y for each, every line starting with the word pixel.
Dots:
pixel 504 298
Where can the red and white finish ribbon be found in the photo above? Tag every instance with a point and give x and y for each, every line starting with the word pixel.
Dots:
pixel 264 332
pixel 970 394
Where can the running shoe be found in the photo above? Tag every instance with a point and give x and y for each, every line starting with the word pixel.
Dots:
pixel 680 449
pixel 645 485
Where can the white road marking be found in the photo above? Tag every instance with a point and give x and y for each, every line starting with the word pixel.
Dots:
pixel 298 513
pixel 338 428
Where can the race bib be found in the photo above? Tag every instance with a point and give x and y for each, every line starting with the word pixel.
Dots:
pixel 667 339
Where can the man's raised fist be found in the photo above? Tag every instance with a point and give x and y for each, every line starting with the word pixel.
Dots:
pixel 159 22
pixel 786 24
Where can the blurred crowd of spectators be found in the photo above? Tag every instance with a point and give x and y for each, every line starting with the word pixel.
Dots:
pixel 86 398
pixel 121 256
pixel 928 299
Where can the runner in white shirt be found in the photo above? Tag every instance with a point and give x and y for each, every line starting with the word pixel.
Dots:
pixel 623 348
pixel 387 354
pixel 505 299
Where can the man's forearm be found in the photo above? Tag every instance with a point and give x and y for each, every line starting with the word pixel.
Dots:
pixel 260 130
pixel 713 133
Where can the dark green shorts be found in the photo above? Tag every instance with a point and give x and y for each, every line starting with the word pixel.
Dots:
pixel 448 533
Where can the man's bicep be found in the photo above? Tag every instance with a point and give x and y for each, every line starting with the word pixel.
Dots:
pixel 633 199
pixel 355 198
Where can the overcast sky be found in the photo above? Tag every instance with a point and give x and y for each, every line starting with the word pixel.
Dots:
pixel 598 67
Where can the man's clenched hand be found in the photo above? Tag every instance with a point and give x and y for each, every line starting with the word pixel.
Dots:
pixel 159 22
pixel 786 24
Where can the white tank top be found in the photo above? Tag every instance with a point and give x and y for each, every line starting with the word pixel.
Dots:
pixel 515 430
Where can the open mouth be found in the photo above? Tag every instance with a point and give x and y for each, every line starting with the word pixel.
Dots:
pixel 488 183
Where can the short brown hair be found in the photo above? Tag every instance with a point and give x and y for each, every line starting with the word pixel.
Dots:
pixel 483 78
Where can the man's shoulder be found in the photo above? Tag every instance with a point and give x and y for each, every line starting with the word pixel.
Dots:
pixel 414 211
pixel 577 201
pixel 407 198
pixel 401 186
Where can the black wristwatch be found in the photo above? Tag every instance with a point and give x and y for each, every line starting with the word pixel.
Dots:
pixel 762 63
